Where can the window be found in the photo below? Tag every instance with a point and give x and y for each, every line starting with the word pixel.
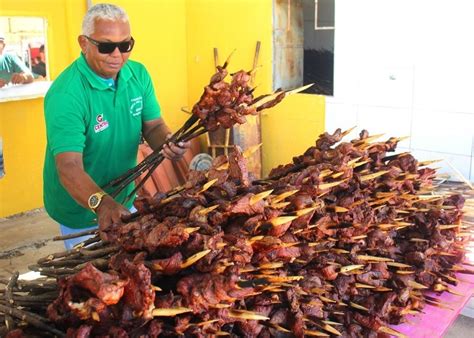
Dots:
pixel 303 39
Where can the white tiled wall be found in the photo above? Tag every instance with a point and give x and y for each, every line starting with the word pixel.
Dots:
pixel 409 74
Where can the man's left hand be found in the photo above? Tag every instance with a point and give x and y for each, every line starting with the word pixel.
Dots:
pixel 174 151
pixel 19 78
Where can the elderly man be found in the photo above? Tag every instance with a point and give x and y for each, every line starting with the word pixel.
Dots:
pixel 96 112
pixel 12 69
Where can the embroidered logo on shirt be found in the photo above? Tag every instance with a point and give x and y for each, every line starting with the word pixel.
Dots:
pixel 136 106
pixel 101 123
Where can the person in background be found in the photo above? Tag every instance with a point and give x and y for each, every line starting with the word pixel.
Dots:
pixel 39 66
pixel 12 69
pixel 96 112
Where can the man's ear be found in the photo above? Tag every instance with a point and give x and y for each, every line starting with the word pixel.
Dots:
pixel 82 43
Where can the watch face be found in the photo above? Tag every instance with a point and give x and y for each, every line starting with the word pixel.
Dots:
pixel 93 201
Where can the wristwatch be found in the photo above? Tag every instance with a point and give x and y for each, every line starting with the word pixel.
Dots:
pixel 94 200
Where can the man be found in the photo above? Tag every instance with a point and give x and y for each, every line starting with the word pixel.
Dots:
pixel 12 69
pixel 95 112
pixel 39 66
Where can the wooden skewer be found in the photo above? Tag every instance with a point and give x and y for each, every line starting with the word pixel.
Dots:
pixel 280 205
pixel 251 150
pixel 331 329
pixel 425 163
pixel 348 268
pixel 391 331
pixel 398 265
pixel 207 185
pixel 315 333
pixel 327 300
pixel 419 240
pixel 304 211
pixel 249 315
pixel 260 196
pixel 284 195
pixel 170 312
pixel 372 176
pixel 374 258
pixel 357 306
pixel 448 226
pixel 282 220
pixel 382 289
pixel 222 333
pixel 194 258
pixel 205 211
pixel 364 286
pixel 330 185
pixel 207 322
pixel 356 238
pixel 346 132
pixel 416 285
pixel 368 139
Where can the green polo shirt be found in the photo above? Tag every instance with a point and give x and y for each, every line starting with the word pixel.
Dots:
pixel 10 64
pixel 86 114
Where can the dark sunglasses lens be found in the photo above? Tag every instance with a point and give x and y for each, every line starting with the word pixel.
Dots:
pixel 109 47
pixel 125 47
pixel 106 47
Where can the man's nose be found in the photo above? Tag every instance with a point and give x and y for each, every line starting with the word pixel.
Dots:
pixel 116 52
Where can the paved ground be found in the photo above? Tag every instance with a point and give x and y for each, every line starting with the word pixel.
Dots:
pixel 26 238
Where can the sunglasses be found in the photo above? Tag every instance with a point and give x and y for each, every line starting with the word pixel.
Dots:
pixel 109 47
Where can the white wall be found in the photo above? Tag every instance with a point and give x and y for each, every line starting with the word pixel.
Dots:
pixel 406 68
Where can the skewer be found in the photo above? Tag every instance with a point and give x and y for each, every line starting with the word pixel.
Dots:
pixel 391 331
pixel 207 185
pixel 330 185
pixel 194 258
pixel 359 307
pixel 372 176
pixel 284 195
pixel 315 333
pixel 248 315
pixel 205 211
pixel 260 196
pixel 170 312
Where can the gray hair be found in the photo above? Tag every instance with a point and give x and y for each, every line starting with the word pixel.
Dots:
pixel 102 11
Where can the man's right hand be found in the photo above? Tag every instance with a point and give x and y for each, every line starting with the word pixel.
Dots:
pixel 3 83
pixel 109 212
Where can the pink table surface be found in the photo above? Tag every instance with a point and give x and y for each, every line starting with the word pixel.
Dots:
pixel 435 321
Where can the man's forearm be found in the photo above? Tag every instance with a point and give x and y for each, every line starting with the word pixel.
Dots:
pixel 155 135
pixel 77 183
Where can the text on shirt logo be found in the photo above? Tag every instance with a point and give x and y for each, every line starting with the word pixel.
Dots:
pixel 101 123
pixel 136 106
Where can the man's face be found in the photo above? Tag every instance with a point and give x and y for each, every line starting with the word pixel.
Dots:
pixel 106 65
pixel 2 46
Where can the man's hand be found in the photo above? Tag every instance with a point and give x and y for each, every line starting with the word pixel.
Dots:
pixel 21 78
pixel 109 212
pixel 3 83
pixel 173 151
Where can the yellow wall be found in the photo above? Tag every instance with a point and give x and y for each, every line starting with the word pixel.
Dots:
pixel 287 129
pixel 175 40
pixel 21 122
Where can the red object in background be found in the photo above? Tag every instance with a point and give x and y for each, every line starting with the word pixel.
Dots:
pixel 34 52
pixel 168 174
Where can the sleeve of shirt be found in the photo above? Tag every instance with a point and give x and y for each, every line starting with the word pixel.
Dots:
pixel 151 107
pixel 18 66
pixel 65 124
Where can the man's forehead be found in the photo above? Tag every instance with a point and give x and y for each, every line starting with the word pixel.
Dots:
pixel 111 27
